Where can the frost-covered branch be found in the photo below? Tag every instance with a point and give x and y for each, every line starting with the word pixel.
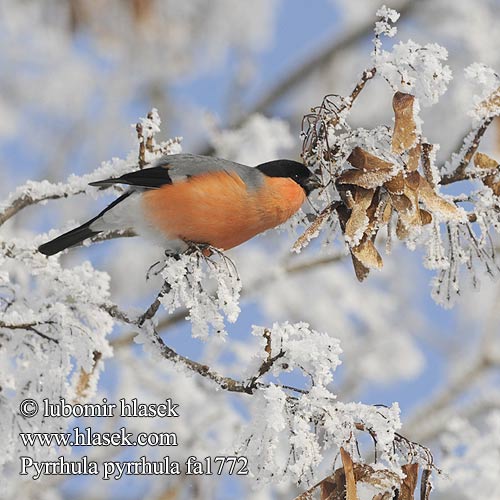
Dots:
pixel 469 147
pixel 386 179
pixel 224 382
pixel 32 192
pixel 290 269
pixel 22 200
pixel 305 413
pixel 29 327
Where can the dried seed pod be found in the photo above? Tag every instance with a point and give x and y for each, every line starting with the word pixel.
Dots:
pixel 493 182
pixel 409 218
pixel 412 181
pixel 387 213
pixel 425 217
pixel 360 270
pixel 485 162
pixel 409 482
pixel 367 254
pixel 396 185
pixel 435 203
pixel 414 155
pixel 375 212
pixel 362 160
pixel 426 163
pixel 359 220
pixel 405 129
pixel 402 229
pixel 368 179
pixel 401 202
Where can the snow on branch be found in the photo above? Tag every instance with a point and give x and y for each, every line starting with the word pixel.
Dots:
pixel 57 320
pixel 40 192
pixel 386 180
pixel 290 437
pixel 292 429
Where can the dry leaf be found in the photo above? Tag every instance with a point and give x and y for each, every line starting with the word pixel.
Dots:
pixel 367 254
pixel 396 185
pixel 484 161
pixel 425 484
pixel 406 220
pixel 360 270
pixel 333 487
pixel 414 157
pixel 367 179
pixel 409 482
pixel 386 216
pixel 412 180
pixel 493 182
pixel 380 478
pixel 492 102
pixel 425 217
pixel 405 129
pixel 358 221
pixel 83 384
pixel 435 203
pixel 85 377
pixel 348 198
pixel 402 229
pixel 376 212
pixel 350 481
pixel 401 202
pixel 362 160
pixel 388 495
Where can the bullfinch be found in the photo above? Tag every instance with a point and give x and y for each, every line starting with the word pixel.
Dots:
pixel 187 199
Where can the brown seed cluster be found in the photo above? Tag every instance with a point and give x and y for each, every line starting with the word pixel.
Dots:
pixel 374 190
pixel 492 171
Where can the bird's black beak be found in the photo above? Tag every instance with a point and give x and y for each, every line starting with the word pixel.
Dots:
pixel 311 183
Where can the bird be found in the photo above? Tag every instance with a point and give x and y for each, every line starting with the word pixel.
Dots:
pixel 187 199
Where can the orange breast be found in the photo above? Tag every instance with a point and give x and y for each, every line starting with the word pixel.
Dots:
pixel 217 208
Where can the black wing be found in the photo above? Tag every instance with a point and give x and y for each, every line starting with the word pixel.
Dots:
pixel 153 178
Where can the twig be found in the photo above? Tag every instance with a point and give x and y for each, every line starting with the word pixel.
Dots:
pixel 226 383
pixel 30 327
pixel 111 235
pixel 367 75
pixel 153 308
pixel 142 145
pixel 177 317
pixel 264 368
pixel 313 229
pixel 467 152
pixel 25 200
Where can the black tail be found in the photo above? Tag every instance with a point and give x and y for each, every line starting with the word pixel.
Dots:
pixel 68 239
pixel 79 234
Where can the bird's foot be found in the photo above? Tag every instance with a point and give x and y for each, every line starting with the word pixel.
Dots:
pixel 204 249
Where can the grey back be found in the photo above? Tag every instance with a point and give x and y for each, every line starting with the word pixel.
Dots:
pixel 182 166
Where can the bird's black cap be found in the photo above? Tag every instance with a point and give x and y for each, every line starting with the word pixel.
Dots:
pixel 293 170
